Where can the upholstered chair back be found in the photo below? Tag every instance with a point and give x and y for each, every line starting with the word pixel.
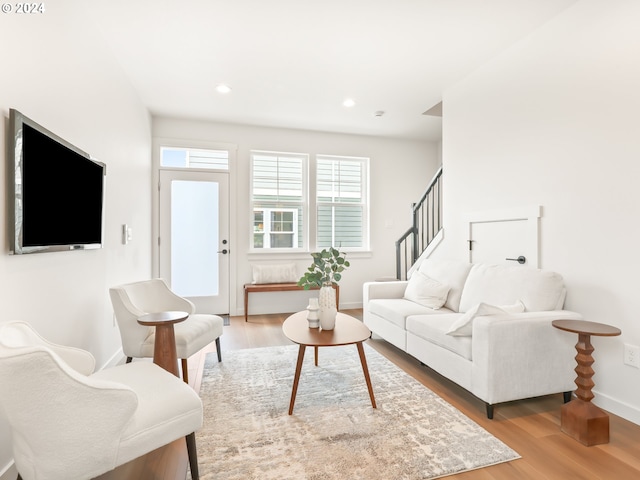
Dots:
pixel 131 301
pixel 61 420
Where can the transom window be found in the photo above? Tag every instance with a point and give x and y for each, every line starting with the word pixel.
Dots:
pixel 194 158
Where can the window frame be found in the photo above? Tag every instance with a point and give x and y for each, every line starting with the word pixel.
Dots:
pixel 364 202
pixel 310 203
pixel 267 232
pixel 281 205
pixel 195 153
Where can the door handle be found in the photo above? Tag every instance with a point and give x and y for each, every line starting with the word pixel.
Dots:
pixel 521 259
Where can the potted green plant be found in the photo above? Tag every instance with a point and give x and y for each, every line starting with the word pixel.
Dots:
pixel 326 270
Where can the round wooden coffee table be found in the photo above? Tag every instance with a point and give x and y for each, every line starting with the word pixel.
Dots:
pixel 164 347
pixel 580 418
pixel 348 330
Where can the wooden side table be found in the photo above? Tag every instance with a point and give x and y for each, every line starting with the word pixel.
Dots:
pixel 164 347
pixel 580 418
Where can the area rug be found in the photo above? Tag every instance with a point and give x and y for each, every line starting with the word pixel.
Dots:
pixel 334 433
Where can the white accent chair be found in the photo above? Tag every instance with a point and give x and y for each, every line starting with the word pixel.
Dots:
pixel 69 423
pixel 132 300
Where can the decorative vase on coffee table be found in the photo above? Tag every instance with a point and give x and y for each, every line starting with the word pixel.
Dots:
pixel 328 309
pixel 312 313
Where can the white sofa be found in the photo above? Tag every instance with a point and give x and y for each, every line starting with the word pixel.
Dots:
pixel 506 348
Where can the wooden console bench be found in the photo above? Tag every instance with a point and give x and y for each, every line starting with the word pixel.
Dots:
pixel 278 287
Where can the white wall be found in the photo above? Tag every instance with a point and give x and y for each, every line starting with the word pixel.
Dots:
pixel 56 71
pixel 400 171
pixel 554 122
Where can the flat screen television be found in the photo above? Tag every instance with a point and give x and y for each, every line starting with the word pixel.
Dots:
pixel 56 191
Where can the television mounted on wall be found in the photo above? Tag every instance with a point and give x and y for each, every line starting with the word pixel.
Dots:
pixel 56 191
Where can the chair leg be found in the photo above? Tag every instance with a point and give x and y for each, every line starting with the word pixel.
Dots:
pixel 129 359
pixel 19 477
pixel 185 371
pixel 193 456
pixel 218 349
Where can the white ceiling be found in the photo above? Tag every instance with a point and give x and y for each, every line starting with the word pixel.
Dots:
pixel 291 63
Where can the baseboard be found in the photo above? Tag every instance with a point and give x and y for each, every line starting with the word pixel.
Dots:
pixel 350 305
pixel 621 409
pixel 9 472
pixel 116 359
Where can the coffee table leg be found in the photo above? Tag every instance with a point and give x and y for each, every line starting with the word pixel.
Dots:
pixel 315 351
pixel 363 360
pixel 296 378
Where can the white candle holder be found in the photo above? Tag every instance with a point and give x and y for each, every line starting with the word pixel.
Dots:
pixel 312 313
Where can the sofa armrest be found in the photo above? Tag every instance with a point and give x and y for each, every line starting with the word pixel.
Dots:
pixel 373 290
pixel 522 355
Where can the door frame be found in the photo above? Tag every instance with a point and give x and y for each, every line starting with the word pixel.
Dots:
pixel 530 214
pixel 232 148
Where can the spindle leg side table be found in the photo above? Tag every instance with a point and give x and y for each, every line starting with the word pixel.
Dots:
pixel 580 418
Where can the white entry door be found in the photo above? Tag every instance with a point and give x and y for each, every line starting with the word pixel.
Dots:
pixel 194 237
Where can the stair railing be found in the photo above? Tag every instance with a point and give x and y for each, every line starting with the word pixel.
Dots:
pixel 426 223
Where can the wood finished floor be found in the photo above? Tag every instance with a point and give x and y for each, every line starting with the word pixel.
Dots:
pixel 531 427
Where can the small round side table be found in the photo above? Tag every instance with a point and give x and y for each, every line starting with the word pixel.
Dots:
pixel 164 347
pixel 580 418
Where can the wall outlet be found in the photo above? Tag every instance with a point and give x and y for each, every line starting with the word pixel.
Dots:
pixel 632 355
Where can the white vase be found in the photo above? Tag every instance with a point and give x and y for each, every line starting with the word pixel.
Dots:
pixel 328 309
pixel 312 313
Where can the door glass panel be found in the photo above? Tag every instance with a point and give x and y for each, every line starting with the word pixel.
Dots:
pixel 194 238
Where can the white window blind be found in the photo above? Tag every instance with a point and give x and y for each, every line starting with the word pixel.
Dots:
pixel 278 192
pixel 342 201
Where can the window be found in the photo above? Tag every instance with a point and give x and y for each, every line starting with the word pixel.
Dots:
pixel 341 202
pixel 278 193
pixel 338 211
pixel 194 158
pixel 275 228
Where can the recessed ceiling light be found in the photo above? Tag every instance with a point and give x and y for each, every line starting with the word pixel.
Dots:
pixel 349 102
pixel 222 88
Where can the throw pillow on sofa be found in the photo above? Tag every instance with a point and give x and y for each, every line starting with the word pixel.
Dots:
pixel 426 291
pixel 464 325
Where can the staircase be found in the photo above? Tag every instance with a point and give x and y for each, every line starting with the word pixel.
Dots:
pixel 427 223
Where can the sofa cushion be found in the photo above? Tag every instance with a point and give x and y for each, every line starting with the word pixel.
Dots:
pixel 433 328
pixel 396 310
pixel 464 325
pixel 452 273
pixel 505 285
pixel 270 273
pixel 426 291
